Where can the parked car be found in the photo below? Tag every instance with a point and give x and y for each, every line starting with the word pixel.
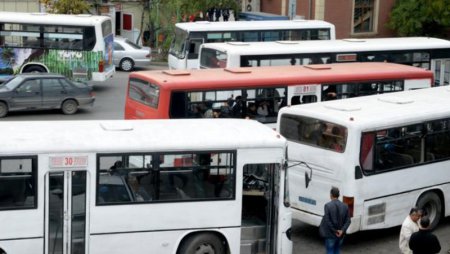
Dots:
pixel 128 55
pixel 35 91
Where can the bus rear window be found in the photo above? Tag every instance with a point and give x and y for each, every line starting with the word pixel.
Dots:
pixel 106 28
pixel 314 132
pixel 144 92
pixel 211 58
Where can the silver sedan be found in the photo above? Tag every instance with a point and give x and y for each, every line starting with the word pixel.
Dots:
pixel 128 55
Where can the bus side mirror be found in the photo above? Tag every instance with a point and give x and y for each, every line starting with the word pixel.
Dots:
pixel 358 172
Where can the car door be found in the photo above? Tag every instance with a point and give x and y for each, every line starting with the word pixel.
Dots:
pixel 27 95
pixel 53 93
pixel 119 53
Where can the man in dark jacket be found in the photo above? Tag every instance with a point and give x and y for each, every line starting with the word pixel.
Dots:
pixel 335 222
pixel 423 241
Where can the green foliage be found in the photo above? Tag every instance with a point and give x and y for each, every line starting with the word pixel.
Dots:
pixel 421 18
pixel 66 6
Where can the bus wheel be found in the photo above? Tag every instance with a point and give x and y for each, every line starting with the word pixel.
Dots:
pixel 3 109
pixel 34 69
pixel 204 243
pixel 69 107
pixel 432 207
pixel 126 64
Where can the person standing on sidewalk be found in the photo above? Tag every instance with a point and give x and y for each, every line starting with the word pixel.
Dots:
pixel 423 241
pixel 409 226
pixel 335 222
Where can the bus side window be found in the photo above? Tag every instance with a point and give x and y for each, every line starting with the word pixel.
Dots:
pixel 194 46
pixel 295 100
pixel 178 104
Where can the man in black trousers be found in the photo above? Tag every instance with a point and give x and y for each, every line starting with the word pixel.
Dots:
pixel 423 241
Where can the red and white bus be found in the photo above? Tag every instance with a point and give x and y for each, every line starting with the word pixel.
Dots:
pixel 259 92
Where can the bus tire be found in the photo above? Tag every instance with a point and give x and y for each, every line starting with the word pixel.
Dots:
pixel 3 109
pixel 69 107
pixel 431 204
pixel 202 243
pixel 34 68
pixel 126 64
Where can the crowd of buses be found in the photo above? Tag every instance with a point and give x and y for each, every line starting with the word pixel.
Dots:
pixel 232 185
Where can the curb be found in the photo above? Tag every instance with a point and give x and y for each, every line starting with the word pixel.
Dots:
pixel 159 63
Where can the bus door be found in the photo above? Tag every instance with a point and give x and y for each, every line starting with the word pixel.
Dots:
pixel 192 48
pixel 260 208
pixel 441 69
pixel 65 215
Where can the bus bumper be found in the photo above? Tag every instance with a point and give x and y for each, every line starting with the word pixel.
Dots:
pixel 103 76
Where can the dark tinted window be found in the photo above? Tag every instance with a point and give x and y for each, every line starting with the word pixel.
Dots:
pixel 18 182
pixel 51 85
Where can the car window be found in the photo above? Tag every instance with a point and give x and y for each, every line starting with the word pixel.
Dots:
pixel 51 85
pixel 117 46
pixel 134 45
pixel 13 82
pixel 29 86
pixel 67 84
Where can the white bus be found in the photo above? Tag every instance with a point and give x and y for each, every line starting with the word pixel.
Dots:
pixel 425 52
pixel 78 46
pixel 150 186
pixel 386 153
pixel 183 53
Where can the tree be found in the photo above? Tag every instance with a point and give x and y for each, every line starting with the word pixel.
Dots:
pixel 421 18
pixel 66 6
pixel 163 14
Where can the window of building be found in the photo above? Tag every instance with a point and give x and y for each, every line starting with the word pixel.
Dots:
pixel 364 16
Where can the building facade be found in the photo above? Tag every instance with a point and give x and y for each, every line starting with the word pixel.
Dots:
pixel 352 18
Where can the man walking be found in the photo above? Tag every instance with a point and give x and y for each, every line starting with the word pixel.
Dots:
pixel 409 226
pixel 334 223
pixel 423 241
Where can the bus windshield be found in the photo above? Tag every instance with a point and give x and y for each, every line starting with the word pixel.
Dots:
pixel 178 43
pixel 313 132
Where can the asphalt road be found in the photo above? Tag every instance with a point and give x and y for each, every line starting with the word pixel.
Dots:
pixel 109 104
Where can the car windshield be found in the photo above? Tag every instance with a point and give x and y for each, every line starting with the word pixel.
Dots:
pixel 12 83
pixel 134 45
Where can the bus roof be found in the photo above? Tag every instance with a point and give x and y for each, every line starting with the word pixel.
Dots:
pixel 134 136
pixel 282 75
pixel 380 111
pixel 326 46
pixel 47 18
pixel 201 26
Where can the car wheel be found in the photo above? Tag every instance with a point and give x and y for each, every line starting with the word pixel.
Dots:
pixel 3 109
pixel 34 69
pixel 126 64
pixel 431 205
pixel 69 107
pixel 202 243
